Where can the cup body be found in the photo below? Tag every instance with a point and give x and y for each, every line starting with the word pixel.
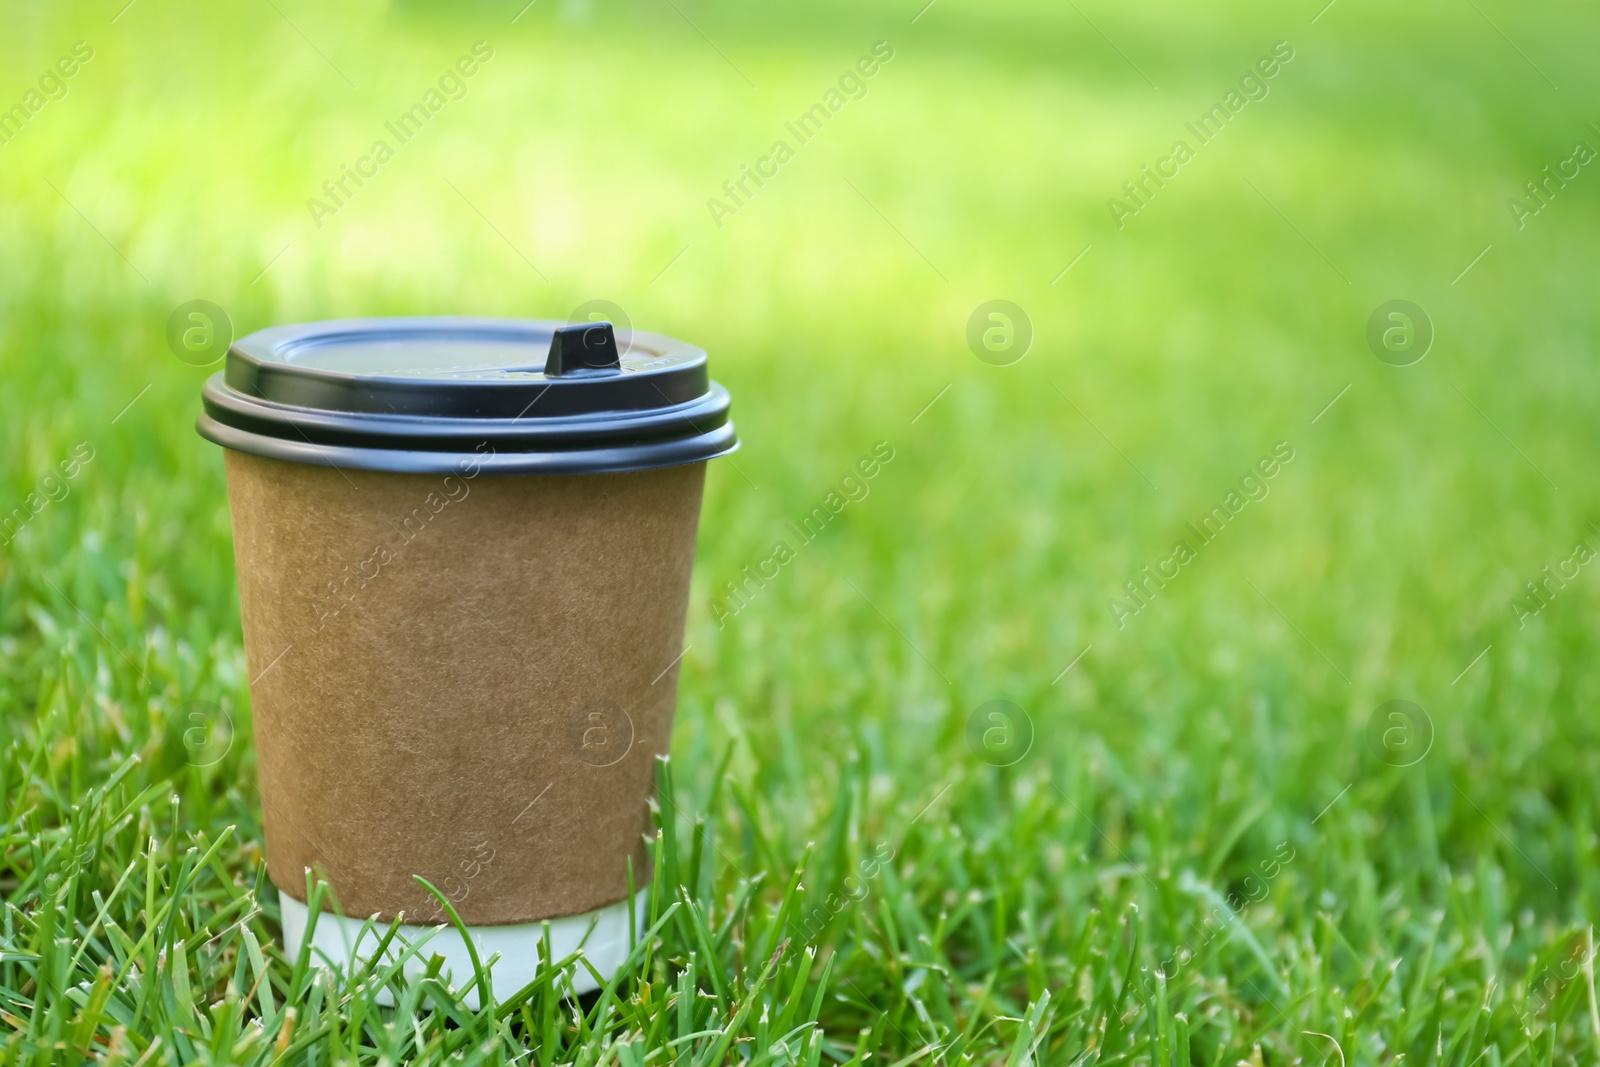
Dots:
pixel 464 677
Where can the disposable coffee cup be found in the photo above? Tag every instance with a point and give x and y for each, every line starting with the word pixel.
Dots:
pixel 464 549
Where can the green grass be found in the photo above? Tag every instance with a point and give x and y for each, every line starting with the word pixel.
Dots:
pixel 1071 908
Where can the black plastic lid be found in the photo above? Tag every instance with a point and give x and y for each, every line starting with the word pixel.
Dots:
pixel 428 395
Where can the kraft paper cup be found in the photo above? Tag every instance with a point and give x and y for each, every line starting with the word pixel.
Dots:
pixel 464 550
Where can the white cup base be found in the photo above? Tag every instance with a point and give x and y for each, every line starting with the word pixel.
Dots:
pixel 340 941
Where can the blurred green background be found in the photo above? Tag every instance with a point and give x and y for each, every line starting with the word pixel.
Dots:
pixel 1230 717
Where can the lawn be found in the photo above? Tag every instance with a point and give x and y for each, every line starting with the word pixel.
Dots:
pixel 992 771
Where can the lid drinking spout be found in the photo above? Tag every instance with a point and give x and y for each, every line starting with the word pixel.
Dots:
pixel 584 346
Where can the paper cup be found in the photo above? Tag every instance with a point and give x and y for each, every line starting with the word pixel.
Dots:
pixel 463 618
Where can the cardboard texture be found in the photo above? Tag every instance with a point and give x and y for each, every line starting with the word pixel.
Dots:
pixel 462 677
